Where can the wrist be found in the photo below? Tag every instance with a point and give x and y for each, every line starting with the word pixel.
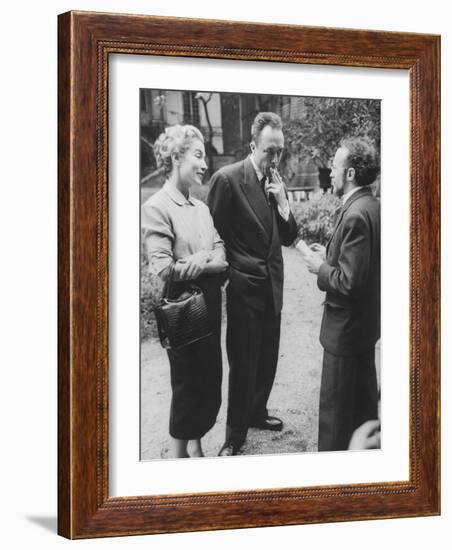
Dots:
pixel 282 200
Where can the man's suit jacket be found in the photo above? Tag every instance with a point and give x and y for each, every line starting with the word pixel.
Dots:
pixel 253 232
pixel 351 278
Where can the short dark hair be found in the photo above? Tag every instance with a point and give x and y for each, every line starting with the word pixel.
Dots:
pixel 261 121
pixel 363 157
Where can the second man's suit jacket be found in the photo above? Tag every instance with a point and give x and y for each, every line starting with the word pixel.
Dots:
pixel 351 278
pixel 253 232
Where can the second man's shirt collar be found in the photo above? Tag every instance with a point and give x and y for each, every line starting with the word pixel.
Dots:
pixel 259 174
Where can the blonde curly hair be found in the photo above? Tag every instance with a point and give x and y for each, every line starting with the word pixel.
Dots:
pixel 175 139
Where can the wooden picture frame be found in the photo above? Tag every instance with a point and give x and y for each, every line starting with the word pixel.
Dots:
pixel 85 42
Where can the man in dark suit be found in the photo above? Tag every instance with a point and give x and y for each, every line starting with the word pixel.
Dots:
pixel 249 206
pixel 349 271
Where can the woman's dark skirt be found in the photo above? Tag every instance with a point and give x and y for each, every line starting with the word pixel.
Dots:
pixel 196 373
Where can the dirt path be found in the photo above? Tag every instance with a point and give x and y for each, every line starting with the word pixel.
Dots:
pixel 295 393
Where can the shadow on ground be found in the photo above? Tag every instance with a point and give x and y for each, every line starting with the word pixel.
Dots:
pixel 49 523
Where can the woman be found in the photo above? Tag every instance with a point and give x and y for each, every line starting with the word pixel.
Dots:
pixel 180 232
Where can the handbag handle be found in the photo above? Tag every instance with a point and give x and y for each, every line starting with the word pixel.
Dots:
pixel 170 281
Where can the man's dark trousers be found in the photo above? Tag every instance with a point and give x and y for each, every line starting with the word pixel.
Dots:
pixel 348 398
pixel 252 342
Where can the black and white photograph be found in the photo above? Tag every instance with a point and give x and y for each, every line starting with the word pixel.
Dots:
pixel 260 274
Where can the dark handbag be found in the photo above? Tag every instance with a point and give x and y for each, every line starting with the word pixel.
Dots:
pixel 184 319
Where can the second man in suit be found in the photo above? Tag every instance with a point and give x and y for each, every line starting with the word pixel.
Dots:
pixel 348 270
pixel 249 205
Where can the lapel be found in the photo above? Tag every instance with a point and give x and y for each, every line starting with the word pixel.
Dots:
pixel 253 192
pixel 360 193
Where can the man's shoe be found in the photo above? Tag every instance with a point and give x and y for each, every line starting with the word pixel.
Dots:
pixel 229 449
pixel 270 423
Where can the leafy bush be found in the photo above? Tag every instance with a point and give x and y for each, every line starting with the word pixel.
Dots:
pixel 323 122
pixel 151 292
pixel 315 218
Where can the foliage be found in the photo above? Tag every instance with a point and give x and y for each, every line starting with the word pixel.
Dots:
pixel 322 123
pixel 315 218
pixel 151 293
